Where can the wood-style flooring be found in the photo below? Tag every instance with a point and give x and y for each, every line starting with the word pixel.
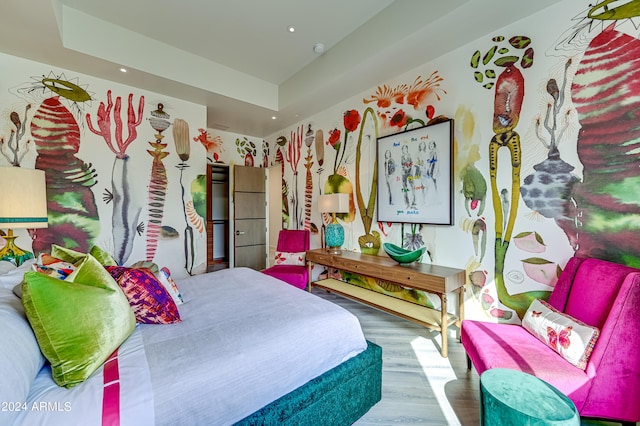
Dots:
pixel 419 386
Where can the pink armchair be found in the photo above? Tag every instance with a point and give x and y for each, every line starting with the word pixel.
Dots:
pixel 290 264
pixel 601 294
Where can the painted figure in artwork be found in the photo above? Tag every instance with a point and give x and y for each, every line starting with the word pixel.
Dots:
pixel 420 174
pixel 389 169
pixel 407 178
pixel 433 167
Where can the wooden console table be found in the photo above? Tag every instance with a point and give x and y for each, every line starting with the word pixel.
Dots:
pixel 434 279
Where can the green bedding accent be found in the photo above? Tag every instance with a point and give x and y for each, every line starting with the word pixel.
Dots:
pixel 390 289
pixel 338 397
pixel 78 322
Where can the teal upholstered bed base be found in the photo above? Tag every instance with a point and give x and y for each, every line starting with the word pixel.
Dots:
pixel 338 397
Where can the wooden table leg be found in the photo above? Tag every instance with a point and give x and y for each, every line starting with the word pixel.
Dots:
pixel 444 328
pixel 460 309
pixel 309 278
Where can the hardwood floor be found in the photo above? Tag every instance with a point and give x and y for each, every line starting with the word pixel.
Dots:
pixel 419 386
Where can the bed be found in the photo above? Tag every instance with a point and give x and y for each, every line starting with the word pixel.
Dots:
pixel 249 350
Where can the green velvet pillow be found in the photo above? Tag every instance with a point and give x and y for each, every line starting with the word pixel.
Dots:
pixel 103 257
pixel 73 256
pixel 66 254
pixel 78 322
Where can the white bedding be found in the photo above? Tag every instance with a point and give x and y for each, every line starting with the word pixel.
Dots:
pixel 254 340
pixel 245 340
pixel 51 405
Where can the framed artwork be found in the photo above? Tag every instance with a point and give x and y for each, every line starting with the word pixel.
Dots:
pixel 415 178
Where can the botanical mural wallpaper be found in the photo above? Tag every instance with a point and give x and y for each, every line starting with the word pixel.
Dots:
pixel 546 156
pixel 110 172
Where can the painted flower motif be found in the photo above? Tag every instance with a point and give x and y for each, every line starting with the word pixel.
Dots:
pixel 430 111
pixel 334 139
pixel 351 120
pixel 399 119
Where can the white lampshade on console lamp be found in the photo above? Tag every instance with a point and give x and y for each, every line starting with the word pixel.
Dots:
pixel 23 204
pixel 334 233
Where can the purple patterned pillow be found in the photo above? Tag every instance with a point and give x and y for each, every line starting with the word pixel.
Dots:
pixel 150 301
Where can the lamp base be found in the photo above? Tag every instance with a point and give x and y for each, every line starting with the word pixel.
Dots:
pixel 12 253
pixel 334 250
pixel 334 237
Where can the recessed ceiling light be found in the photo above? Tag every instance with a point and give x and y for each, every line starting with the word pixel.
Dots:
pixel 291 29
pixel 318 48
pixel 123 70
pixel 274 117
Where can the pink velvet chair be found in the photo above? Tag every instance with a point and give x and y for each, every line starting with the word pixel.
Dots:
pixel 601 294
pixel 290 266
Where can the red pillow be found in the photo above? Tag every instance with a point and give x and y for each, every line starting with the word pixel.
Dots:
pixel 150 301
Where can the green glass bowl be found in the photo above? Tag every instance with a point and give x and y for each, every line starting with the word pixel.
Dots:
pixel 403 256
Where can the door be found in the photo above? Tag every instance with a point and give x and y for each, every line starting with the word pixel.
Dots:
pixel 250 222
pixel 274 209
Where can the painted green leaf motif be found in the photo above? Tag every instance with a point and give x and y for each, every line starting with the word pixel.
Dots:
pixel 489 86
pixel 490 73
pixel 506 61
pixel 527 58
pixel 475 59
pixel 527 233
pixel 489 55
pixel 478 76
pixel 520 42
pixel 503 50
pixel 67 89
pixel 536 261
pixel 497 39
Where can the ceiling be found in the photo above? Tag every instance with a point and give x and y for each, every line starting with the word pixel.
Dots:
pixel 238 58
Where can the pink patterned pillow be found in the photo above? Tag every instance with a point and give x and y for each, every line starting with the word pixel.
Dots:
pixel 286 258
pixel 569 337
pixel 150 301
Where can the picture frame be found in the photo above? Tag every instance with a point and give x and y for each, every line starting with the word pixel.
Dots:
pixel 415 175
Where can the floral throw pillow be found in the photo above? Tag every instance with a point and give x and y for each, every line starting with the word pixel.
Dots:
pixel 150 301
pixel 53 267
pixel 164 276
pixel 286 258
pixel 569 337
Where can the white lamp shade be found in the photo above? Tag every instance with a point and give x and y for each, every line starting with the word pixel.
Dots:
pixel 23 198
pixel 333 203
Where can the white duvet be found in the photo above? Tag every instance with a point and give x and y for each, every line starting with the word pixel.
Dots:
pixel 245 340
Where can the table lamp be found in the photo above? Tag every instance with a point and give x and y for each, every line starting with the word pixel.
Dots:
pixel 334 233
pixel 23 204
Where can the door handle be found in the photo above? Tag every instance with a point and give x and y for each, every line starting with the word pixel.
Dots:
pixel 239 232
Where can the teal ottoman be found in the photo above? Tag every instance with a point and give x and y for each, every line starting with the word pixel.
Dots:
pixel 510 397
